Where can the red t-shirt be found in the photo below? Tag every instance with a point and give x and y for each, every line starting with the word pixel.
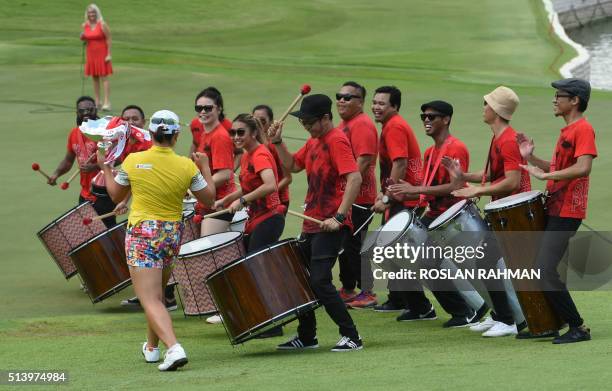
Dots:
pixel 283 194
pixel 197 128
pixel 251 165
pixel 397 141
pixel 455 149
pixel 362 134
pixel 506 156
pixel 134 145
pixel 219 148
pixel 85 150
pixel 568 198
pixel 327 160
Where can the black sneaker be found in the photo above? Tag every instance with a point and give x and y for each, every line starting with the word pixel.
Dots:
pixel 460 321
pixel 171 304
pixel 347 344
pixel 273 332
pixel 410 316
pixel 482 311
pixel 574 334
pixel 388 306
pixel 297 344
pixel 527 335
pixel 133 302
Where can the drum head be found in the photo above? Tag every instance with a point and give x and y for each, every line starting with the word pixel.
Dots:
pixel 512 200
pixel 208 243
pixel 394 228
pixel 370 240
pixel 449 214
pixel 240 216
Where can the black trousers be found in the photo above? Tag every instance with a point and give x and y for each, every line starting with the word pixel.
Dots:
pixel 103 205
pixel 265 233
pixel 351 272
pixel 413 297
pixel 555 240
pixel 321 250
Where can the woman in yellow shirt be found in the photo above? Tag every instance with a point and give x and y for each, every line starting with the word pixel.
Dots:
pixel 158 179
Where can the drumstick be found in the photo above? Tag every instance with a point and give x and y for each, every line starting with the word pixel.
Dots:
pixel 303 91
pixel 364 224
pixel 36 167
pixel 89 220
pixel 66 184
pixel 215 214
pixel 289 211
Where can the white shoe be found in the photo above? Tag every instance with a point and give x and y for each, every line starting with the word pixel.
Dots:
pixel 483 325
pixel 501 329
pixel 150 355
pixel 174 358
pixel 215 319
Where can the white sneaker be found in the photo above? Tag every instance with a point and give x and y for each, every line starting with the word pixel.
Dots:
pixel 174 358
pixel 483 325
pixel 501 329
pixel 150 355
pixel 215 319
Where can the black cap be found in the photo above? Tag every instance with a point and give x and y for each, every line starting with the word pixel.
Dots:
pixel 314 106
pixel 440 106
pixel 577 87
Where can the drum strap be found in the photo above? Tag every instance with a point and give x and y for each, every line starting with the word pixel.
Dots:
pixel 427 179
pixel 484 174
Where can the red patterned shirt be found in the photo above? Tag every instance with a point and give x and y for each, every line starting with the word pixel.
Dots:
pixel 455 149
pixel 327 160
pixel 283 194
pixel 397 141
pixel 85 151
pixel 251 166
pixel 506 156
pixel 362 134
pixel 568 198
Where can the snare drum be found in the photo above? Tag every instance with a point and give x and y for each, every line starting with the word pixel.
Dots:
pixel 67 232
pixel 524 214
pixel 404 227
pixel 451 227
pixel 199 258
pixel 262 290
pixel 102 264
pixel 239 221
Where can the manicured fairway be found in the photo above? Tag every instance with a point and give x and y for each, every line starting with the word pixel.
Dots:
pixel 164 53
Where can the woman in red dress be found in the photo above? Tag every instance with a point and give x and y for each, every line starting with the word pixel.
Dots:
pixel 97 36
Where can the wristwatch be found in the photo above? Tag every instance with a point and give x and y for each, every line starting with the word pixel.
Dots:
pixel 339 217
pixel 243 201
pixel 386 200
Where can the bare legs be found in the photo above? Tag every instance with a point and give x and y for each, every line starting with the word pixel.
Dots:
pixel 149 287
pixel 106 86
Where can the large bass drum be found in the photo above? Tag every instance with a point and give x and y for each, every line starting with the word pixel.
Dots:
pixel 262 290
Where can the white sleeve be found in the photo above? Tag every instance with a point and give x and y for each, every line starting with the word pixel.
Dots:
pixel 198 182
pixel 122 178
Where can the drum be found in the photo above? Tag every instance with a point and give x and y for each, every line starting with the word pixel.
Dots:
pixel 262 290
pixel 239 221
pixel 459 225
pixel 67 232
pixel 102 264
pixel 404 228
pixel 524 214
pixel 199 258
pixel 370 241
pixel 191 230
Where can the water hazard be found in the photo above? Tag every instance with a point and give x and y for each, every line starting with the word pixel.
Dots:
pixel 597 39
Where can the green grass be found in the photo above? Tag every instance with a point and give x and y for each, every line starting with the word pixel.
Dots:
pixel 164 52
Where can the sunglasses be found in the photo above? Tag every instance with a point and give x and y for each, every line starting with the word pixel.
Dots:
pixel 346 97
pixel 240 132
pixel 557 96
pixel 430 117
pixel 205 108
pixel 85 111
pixel 165 121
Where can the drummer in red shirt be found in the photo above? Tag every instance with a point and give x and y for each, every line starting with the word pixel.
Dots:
pixel 333 185
pixel 265 115
pixel 506 177
pixel 567 174
pixel 215 142
pixel 83 150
